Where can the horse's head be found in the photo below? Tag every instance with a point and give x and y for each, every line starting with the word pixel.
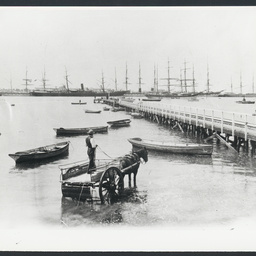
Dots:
pixel 142 153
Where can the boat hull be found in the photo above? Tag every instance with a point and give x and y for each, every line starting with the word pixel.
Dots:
pixel 92 111
pixel 42 153
pixel 80 131
pixel 78 93
pixel 245 102
pixel 119 123
pixel 193 149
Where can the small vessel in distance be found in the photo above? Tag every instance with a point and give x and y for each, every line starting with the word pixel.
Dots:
pixel 78 103
pixel 41 153
pixel 120 123
pixel 170 147
pixel 92 111
pixel 244 101
pixel 79 131
pixel 152 99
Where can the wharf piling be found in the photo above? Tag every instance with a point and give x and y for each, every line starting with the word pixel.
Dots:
pixel 237 129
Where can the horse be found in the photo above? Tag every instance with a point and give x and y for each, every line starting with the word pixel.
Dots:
pixel 133 159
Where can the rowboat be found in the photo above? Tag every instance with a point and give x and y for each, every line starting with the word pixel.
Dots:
pixel 92 111
pixel 116 109
pixel 120 123
pixel 41 153
pixel 136 115
pixel 170 147
pixel 106 109
pixel 152 99
pixel 244 101
pixel 78 103
pixel 79 131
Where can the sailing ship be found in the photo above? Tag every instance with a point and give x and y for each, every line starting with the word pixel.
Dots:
pixel 82 92
pixel 18 92
pixel 207 92
pixel 174 94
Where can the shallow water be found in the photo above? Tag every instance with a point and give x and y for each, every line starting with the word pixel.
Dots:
pixel 172 190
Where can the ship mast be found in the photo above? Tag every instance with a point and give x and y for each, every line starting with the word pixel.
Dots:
pixel 126 78
pixel 27 80
pixel 140 79
pixel 115 80
pixel 241 84
pixel 193 84
pixel 181 81
pixel 231 86
pixel 103 82
pixel 44 80
pixel 67 81
pixel 185 78
pixel 155 79
pixel 168 78
pixel 208 80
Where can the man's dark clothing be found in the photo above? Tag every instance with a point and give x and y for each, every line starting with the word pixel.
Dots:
pixel 90 153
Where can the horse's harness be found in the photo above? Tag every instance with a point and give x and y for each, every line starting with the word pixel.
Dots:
pixel 131 158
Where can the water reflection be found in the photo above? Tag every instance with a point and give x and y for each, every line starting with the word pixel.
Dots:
pixel 180 158
pixel 38 163
pixel 75 213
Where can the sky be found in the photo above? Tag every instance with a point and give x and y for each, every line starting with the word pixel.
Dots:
pixel 89 41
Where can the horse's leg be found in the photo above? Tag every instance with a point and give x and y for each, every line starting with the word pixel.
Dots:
pixel 134 178
pixel 130 179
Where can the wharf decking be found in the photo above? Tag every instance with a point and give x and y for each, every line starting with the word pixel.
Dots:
pixel 240 125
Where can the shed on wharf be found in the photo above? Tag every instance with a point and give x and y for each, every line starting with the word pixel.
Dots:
pixel 203 122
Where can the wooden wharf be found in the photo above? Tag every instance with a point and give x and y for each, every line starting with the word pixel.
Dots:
pixel 206 122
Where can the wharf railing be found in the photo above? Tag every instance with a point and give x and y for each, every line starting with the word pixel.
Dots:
pixel 236 124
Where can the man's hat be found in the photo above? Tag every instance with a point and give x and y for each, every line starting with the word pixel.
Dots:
pixel 90 132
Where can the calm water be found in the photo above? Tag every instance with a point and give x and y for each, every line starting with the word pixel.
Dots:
pixel 173 191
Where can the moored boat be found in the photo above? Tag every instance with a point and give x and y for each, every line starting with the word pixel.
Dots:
pixel 152 99
pixel 41 153
pixel 116 109
pixel 78 103
pixel 170 147
pixel 79 131
pixel 136 115
pixel 92 111
pixel 106 109
pixel 244 101
pixel 120 123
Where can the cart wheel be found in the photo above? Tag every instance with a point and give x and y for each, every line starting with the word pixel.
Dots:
pixel 111 185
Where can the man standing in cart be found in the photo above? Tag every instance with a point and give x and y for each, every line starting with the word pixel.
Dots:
pixel 90 143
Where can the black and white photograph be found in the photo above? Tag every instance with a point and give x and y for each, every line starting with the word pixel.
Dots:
pixel 128 128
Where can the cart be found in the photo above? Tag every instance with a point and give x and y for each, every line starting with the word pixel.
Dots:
pixel 104 183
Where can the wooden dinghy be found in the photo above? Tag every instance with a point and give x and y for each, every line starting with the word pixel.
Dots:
pixel 106 109
pixel 136 115
pixel 244 101
pixel 92 111
pixel 41 153
pixel 79 103
pixel 152 99
pixel 116 109
pixel 170 147
pixel 79 131
pixel 119 123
